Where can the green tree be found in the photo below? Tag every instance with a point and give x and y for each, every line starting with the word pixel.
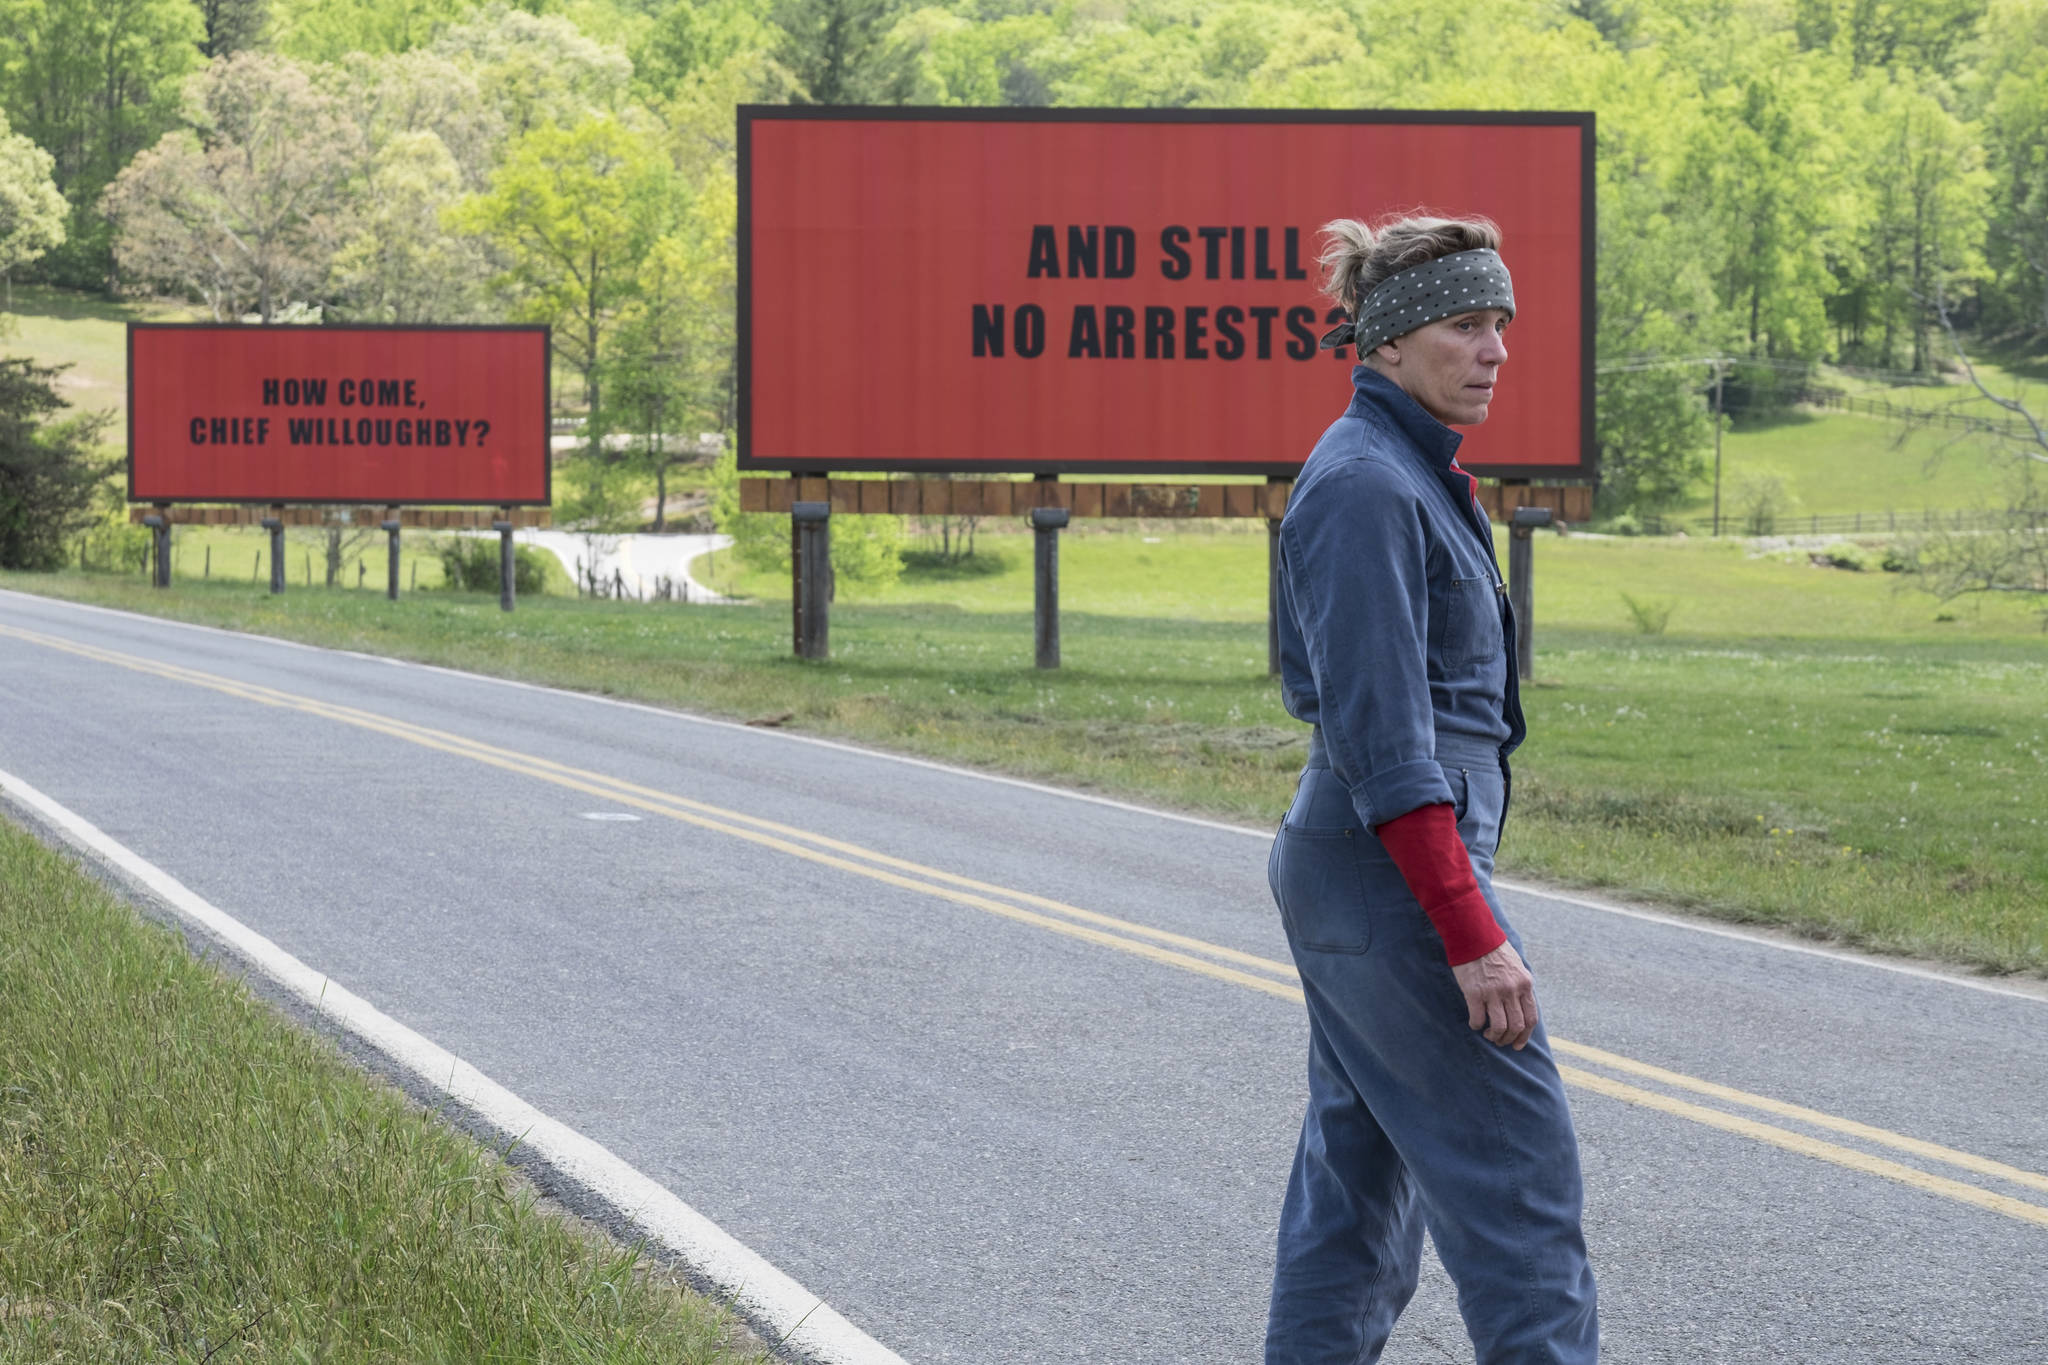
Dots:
pixel 31 210
pixel 696 35
pixel 1898 35
pixel 329 30
pixel 92 82
pixel 392 95
pixel 247 207
pixel 846 51
pixel 1767 162
pixel 673 371
pixel 2009 86
pixel 1925 210
pixel 537 70
pixel 572 211
pixel 232 25
pixel 47 468
pixel 958 60
pixel 652 395
pixel 401 263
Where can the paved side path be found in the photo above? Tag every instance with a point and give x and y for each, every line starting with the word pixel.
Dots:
pixel 1008 1075
pixel 642 561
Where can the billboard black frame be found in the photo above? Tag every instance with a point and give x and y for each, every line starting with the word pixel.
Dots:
pixel 1586 470
pixel 547 331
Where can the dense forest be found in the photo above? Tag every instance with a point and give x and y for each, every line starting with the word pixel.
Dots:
pixel 1787 181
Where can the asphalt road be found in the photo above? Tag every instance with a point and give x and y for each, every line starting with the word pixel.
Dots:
pixel 985 1127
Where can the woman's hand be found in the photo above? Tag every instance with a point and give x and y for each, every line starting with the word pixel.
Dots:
pixel 1500 996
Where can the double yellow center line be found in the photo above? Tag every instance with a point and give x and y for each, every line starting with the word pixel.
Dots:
pixel 1220 963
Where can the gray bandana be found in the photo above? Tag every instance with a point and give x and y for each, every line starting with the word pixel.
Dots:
pixel 1461 282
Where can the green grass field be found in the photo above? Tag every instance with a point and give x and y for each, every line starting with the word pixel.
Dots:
pixel 88 334
pixel 1715 588
pixel 186 1176
pixel 1802 746
pixel 1837 463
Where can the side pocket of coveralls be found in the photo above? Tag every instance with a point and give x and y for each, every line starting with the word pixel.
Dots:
pixel 1315 879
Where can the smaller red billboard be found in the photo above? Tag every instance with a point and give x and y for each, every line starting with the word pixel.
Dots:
pixel 237 413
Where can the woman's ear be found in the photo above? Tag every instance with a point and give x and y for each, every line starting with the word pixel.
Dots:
pixel 1388 352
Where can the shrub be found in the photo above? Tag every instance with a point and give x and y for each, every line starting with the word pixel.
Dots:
pixel 866 549
pixel 932 566
pixel 470 564
pixel 112 543
pixel 48 468
pixel 1760 497
pixel 1844 555
pixel 1624 525
pixel 1651 614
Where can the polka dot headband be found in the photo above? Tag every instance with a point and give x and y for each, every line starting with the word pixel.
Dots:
pixel 1462 282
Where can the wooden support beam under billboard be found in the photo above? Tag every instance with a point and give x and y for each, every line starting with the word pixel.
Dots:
pixel 1046 525
pixel 813 523
pixel 414 518
pixel 944 497
pixel 927 496
pixel 1521 582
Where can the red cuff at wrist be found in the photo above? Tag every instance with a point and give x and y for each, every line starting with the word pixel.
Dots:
pixel 1433 860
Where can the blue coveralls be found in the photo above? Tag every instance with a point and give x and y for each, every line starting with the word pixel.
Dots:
pixel 1394 638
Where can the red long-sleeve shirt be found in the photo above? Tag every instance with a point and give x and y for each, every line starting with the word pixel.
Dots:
pixel 1426 846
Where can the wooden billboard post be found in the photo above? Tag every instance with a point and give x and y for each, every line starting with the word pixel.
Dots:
pixel 274 523
pixel 1273 586
pixel 813 525
pixel 391 525
pixel 1522 526
pixel 1046 525
pixel 159 524
pixel 507 562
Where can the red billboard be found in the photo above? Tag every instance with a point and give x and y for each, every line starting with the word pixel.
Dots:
pixel 1118 290
pixel 233 413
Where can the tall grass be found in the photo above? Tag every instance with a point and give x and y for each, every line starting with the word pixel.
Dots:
pixel 184 1176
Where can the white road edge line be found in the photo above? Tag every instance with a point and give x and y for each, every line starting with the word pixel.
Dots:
pixel 789 1312
pixel 1519 888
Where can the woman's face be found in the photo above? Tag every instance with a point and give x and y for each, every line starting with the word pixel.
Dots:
pixel 1449 366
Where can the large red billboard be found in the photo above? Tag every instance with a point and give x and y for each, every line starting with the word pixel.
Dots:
pixel 1117 290
pixel 226 413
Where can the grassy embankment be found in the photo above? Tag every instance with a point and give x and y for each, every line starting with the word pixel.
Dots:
pixel 1802 746
pixel 186 1176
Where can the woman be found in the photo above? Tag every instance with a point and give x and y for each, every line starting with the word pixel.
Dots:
pixel 1433 1098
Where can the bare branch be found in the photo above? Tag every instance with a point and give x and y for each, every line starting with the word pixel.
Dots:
pixel 2012 405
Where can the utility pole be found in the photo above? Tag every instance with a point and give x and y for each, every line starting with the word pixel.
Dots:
pixel 1720 369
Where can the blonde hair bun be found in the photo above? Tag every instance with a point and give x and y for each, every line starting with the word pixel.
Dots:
pixel 1358 255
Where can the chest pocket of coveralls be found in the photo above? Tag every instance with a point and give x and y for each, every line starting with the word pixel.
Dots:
pixel 1464 621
